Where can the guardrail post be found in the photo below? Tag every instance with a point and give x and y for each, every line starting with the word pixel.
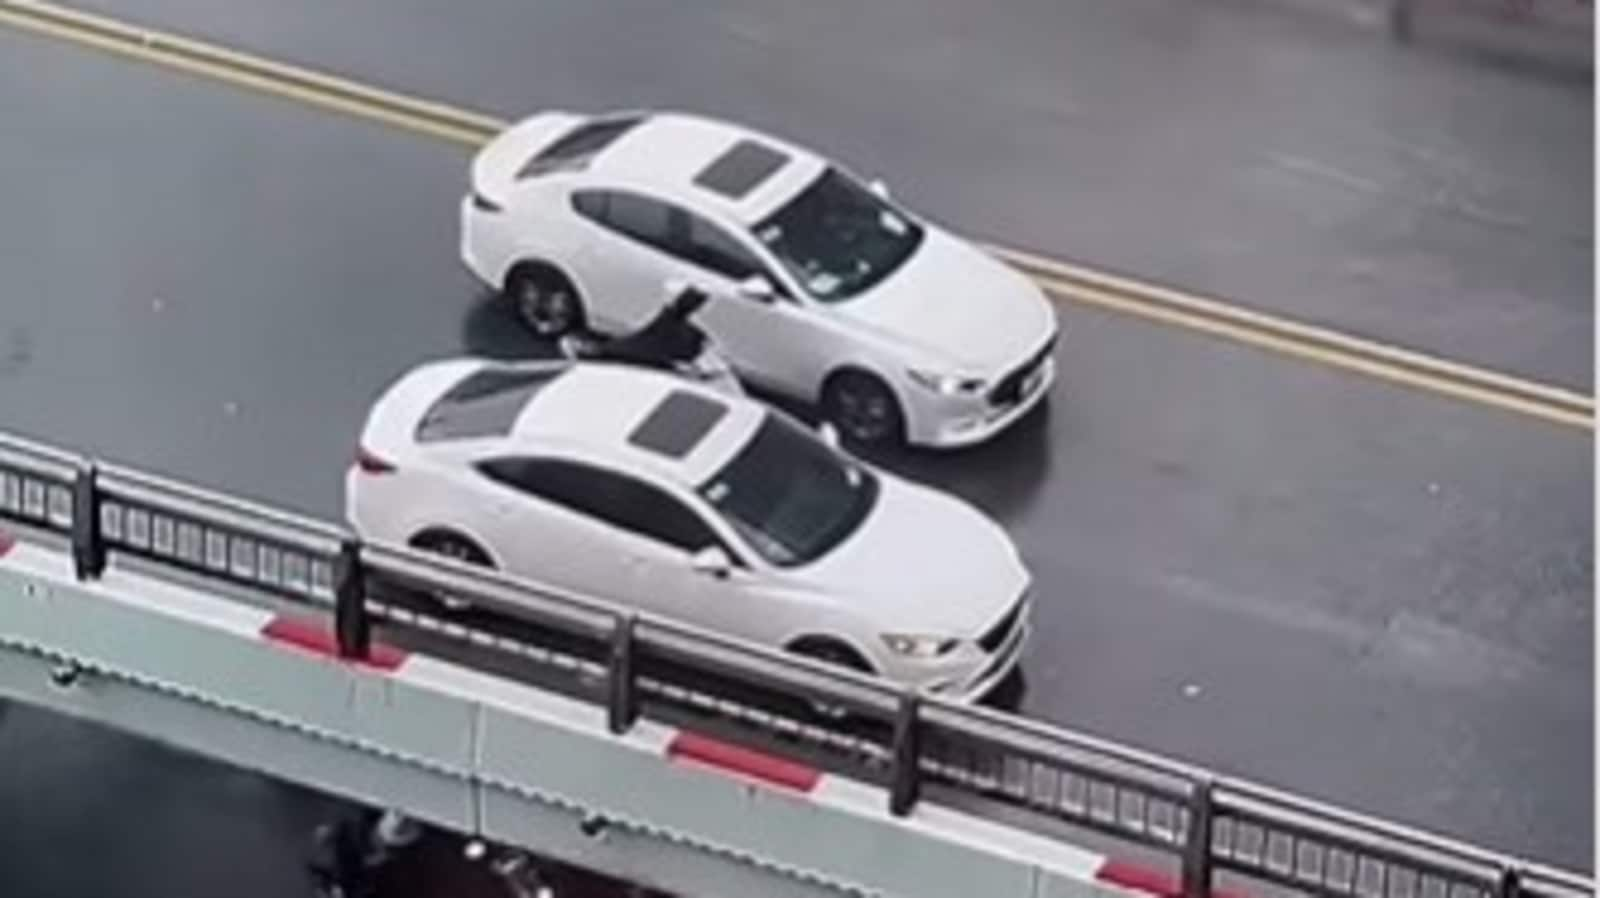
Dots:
pixel 1197 847
pixel 622 697
pixel 905 784
pixel 88 544
pixel 1510 884
pixel 351 624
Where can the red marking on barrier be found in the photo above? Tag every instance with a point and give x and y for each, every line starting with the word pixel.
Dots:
pixel 1148 879
pixel 317 639
pixel 7 541
pixel 743 761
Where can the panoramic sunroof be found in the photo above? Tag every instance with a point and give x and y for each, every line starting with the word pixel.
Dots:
pixel 678 424
pixel 737 172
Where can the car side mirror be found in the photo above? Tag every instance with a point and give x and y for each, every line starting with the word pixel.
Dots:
pixel 829 434
pixel 878 187
pixel 757 287
pixel 711 561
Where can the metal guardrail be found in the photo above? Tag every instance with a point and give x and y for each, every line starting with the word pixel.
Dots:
pixel 36 484
pixel 639 666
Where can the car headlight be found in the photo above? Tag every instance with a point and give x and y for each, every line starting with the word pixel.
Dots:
pixel 917 645
pixel 945 384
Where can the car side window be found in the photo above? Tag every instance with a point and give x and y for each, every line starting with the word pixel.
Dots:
pixel 615 499
pixel 650 512
pixel 629 214
pixel 669 229
pixel 591 204
pixel 700 242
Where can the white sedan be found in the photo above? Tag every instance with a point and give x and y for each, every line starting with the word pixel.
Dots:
pixel 827 290
pixel 648 491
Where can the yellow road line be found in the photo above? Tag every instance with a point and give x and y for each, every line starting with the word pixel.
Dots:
pixel 1061 279
pixel 1068 276
pixel 253 72
pixel 1313 353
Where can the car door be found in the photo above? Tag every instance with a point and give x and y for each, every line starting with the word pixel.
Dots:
pixel 771 338
pixel 606 534
pixel 542 528
pixel 626 258
pixel 658 537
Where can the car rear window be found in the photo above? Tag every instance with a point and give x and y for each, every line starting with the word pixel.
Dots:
pixel 737 172
pixel 678 424
pixel 579 144
pixel 485 403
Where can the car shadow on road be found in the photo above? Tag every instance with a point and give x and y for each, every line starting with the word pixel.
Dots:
pixel 1009 693
pixel 1001 476
pixel 491 329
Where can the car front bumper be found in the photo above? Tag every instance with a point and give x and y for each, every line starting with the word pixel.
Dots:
pixel 968 674
pixel 964 420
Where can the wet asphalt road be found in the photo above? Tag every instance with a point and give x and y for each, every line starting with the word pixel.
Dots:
pixel 1222 145
pixel 1371 595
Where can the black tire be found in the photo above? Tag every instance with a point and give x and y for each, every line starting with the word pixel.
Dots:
pixel 863 408
pixel 545 300
pixel 457 547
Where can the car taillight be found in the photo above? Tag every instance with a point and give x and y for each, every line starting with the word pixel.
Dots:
pixel 370 463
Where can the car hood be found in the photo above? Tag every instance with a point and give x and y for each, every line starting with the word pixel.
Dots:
pixel 967 308
pixel 923 562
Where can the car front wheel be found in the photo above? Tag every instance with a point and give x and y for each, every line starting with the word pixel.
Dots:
pixel 864 408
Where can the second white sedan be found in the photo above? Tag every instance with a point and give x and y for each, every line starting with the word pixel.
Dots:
pixel 827 289
pixel 639 488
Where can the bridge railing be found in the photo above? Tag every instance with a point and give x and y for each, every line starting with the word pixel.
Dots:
pixel 919 748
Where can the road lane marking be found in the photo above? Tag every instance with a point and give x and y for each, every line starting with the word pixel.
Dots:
pixel 1062 280
pixel 1305 341
pixel 279 79
pixel 1308 352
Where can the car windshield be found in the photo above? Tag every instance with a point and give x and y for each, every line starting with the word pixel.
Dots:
pixel 837 238
pixel 789 495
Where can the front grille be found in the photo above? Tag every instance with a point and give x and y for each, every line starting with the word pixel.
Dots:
pixel 1008 390
pixel 989 668
pixel 995 637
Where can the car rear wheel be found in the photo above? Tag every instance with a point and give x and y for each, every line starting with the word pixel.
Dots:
pixel 458 548
pixel 864 408
pixel 545 300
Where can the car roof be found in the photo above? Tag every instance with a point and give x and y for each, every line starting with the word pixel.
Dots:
pixel 668 155
pixel 634 420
